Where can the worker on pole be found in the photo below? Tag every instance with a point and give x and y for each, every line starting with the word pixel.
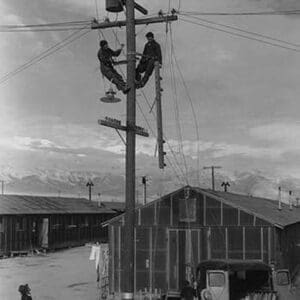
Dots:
pixel 105 56
pixel 151 53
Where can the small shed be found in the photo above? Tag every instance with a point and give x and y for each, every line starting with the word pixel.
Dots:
pixel 36 222
pixel 176 232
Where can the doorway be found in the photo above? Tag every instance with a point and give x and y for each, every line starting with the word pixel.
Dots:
pixel 184 254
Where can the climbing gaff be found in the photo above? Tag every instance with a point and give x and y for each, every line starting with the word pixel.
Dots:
pixel 110 97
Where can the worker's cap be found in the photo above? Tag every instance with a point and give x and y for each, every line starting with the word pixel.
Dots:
pixel 150 34
pixel 103 43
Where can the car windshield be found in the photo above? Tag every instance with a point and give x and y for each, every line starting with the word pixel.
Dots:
pixel 216 279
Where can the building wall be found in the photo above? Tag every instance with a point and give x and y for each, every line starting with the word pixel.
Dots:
pixel 26 232
pixel 176 233
pixel 289 248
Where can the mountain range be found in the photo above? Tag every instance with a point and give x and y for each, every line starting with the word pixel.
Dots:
pixel 111 186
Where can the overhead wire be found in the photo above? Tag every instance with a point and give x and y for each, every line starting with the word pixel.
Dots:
pixel 176 108
pixel 245 31
pixel 239 35
pixel 148 124
pixel 154 134
pixel 61 26
pixel 100 33
pixel 69 39
pixel 192 106
pixel 245 13
pixel 165 138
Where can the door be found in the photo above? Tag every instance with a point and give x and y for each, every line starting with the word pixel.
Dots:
pixel 282 285
pixel 183 256
pixel 43 233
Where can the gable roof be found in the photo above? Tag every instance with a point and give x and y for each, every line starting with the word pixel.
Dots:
pixel 263 208
pixel 22 204
pixel 116 206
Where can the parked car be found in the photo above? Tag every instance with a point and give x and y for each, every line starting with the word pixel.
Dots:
pixel 241 279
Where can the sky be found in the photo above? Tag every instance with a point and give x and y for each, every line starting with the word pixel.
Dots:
pixel 237 105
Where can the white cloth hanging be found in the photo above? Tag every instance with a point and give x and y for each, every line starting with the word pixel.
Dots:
pixel 95 254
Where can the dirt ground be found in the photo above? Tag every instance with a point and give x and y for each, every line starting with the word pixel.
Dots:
pixel 61 275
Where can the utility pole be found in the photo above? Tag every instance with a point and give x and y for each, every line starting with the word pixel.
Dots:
pixel 144 182
pixel 89 185
pixel 160 139
pixel 2 187
pixel 127 262
pixel 212 175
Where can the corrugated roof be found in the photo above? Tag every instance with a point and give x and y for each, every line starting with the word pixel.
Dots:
pixel 263 208
pixel 21 204
pixel 266 209
pixel 117 206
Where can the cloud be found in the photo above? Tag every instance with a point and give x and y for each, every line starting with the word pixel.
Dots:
pixel 28 143
pixel 283 135
pixel 218 150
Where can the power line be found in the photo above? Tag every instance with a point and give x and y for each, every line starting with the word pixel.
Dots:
pixel 148 102
pixel 191 103
pixel 47 24
pixel 38 29
pixel 73 25
pixel 74 36
pixel 246 13
pixel 246 31
pixel 240 35
pixel 175 99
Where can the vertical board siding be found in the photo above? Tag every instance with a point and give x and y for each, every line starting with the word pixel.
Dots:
pixel 23 233
pixel 169 239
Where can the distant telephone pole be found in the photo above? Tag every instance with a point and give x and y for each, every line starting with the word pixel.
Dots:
pixel 89 185
pixel 2 187
pixel 212 175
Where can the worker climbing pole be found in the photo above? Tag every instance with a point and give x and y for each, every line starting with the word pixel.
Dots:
pixel 151 54
pixel 105 56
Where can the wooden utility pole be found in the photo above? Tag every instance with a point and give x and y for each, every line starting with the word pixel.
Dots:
pixel 212 175
pixel 128 262
pixel 2 187
pixel 160 139
pixel 127 280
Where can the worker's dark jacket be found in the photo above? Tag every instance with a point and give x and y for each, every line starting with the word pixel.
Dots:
pixel 152 51
pixel 105 56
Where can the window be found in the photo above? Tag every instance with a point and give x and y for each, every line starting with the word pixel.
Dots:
pixel 216 279
pixel 1 225
pixel 84 221
pixel 72 222
pixel 187 210
pixel 20 224
pixel 213 211
pixel 282 278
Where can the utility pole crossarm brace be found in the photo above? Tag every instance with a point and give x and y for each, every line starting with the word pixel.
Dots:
pixel 108 24
pixel 116 124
